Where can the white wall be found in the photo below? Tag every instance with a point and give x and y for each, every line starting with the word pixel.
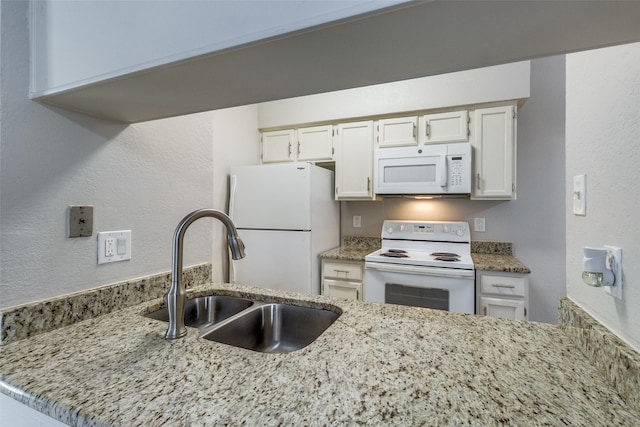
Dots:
pixel 143 177
pixel 498 83
pixel 236 142
pixel 603 142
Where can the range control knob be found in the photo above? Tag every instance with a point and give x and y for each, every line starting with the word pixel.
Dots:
pixel 401 227
pixel 390 230
pixel 460 232
pixel 445 228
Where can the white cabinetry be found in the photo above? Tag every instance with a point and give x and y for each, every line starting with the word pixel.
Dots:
pixel 494 152
pixel 277 146
pixel 343 279
pixel 304 144
pixel 396 132
pixel 14 413
pixel 503 295
pixel 451 126
pixel 354 161
pixel 315 143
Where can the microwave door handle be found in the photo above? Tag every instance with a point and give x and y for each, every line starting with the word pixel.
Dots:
pixel 442 179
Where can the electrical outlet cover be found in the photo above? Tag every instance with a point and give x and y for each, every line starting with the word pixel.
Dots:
pixel 616 266
pixel 114 246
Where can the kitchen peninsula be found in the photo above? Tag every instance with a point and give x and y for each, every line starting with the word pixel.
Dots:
pixel 377 364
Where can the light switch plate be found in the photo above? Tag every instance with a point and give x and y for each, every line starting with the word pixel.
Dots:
pixel 114 246
pixel 357 221
pixel 580 195
pixel 479 225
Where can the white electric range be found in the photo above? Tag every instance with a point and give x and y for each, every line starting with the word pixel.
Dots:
pixel 424 264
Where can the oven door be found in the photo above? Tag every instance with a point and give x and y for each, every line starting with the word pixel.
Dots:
pixel 439 288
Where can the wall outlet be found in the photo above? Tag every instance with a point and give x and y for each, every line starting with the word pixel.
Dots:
pixel 114 246
pixel 357 221
pixel 478 225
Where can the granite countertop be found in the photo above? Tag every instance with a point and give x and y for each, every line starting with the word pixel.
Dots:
pixel 354 249
pixel 377 364
pixel 506 263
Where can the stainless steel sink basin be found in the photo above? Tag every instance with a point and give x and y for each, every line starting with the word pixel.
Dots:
pixel 205 311
pixel 273 328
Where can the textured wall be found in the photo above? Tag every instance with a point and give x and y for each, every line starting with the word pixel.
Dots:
pixel 603 142
pixel 143 177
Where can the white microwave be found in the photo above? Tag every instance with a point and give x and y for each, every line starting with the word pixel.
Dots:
pixel 424 169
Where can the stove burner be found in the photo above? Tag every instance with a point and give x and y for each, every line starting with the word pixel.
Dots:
pixel 445 254
pixel 394 254
pixel 398 251
pixel 447 258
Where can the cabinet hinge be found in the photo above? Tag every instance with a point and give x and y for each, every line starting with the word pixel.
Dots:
pixel 513 111
pixel 513 188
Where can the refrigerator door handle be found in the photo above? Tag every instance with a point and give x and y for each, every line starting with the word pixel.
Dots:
pixel 233 184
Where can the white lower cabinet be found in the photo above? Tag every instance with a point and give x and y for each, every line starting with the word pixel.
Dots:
pixel 14 413
pixel 343 279
pixel 503 295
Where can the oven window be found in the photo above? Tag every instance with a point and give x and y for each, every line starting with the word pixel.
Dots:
pixel 416 297
pixel 410 173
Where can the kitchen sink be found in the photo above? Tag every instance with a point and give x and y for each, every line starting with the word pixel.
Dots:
pixel 204 311
pixel 273 328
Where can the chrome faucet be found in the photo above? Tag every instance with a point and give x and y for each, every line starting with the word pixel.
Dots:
pixel 176 296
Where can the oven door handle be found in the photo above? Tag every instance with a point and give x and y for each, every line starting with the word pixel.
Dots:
pixel 423 271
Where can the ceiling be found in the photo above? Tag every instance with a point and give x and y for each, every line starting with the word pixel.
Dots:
pixel 415 40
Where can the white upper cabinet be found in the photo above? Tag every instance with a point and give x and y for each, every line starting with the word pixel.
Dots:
pixel 396 132
pixel 452 126
pixel 315 143
pixel 304 144
pixel 277 146
pixel 354 161
pixel 494 151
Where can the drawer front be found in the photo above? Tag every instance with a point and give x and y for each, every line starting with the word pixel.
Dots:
pixel 341 270
pixel 345 290
pixel 502 285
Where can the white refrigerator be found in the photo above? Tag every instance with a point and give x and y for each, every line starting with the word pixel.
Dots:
pixel 286 216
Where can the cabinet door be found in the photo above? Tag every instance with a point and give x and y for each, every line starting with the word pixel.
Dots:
pixel 447 127
pixel 339 289
pixel 494 153
pixel 354 161
pixel 504 308
pixel 315 143
pixel 397 132
pixel 277 146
